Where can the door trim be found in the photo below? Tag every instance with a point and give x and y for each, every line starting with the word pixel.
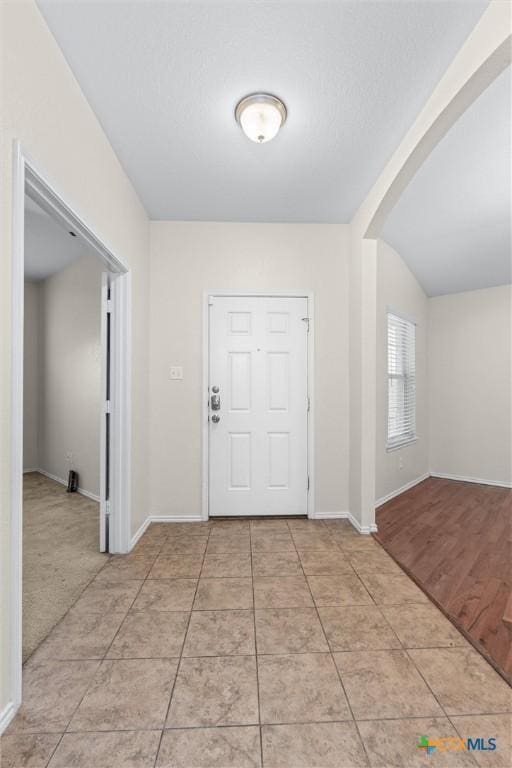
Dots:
pixel 310 296
pixel 26 177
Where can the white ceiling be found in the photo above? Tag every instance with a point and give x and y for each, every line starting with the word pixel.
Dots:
pixel 48 246
pixel 452 224
pixel 164 79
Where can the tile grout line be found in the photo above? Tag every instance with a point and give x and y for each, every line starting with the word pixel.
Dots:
pixel 404 649
pixel 69 609
pixel 335 665
pixel 98 660
pixel 444 712
pixel 255 725
pixel 143 581
pixel 454 726
pixel 260 727
pixel 416 667
pixel 103 658
pixel 244 655
pixel 181 654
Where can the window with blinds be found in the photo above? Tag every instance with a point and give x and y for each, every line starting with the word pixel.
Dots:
pixel 401 380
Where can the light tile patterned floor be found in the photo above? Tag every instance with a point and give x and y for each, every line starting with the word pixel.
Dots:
pixel 284 644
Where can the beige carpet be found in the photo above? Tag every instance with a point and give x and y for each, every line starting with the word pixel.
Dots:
pixel 60 554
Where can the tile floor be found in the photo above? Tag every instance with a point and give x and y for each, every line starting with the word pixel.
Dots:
pixel 229 644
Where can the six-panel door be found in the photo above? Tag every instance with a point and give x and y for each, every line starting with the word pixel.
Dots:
pixel 258 444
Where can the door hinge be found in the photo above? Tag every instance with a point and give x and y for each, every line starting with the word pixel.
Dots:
pixel 107 508
pixel 308 482
pixel 109 305
pixel 306 320
pixel 309 404
pixel 107 406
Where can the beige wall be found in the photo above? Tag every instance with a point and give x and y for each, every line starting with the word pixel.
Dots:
pixel 70 373
pixel 43 106
pixel 398 288
pixel 188 258
pixel 31 381
pixel 62 373
pixel 470 350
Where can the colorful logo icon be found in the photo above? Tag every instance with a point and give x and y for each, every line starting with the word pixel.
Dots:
pixel 428 746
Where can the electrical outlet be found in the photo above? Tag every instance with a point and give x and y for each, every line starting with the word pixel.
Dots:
pixel 176 372
pixel 400 463
pixel 69 457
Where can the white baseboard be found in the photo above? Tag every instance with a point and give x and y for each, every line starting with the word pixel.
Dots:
pixel 142 529
pixel 402 489
pixel 479 480
pixel 6 715
pixel 364 529
pixel 175 519
pixel 330 515
pixel 82 491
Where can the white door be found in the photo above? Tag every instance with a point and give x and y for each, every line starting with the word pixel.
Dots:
pixel 258 463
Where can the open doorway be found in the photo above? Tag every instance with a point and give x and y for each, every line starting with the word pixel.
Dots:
pixel 62 414
pixel 71 374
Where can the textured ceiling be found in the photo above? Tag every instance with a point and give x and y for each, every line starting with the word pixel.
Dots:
pixel 164 78
pixel 452 223
pixel 48 246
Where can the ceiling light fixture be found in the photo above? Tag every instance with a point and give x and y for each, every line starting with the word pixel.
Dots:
pixel 260 115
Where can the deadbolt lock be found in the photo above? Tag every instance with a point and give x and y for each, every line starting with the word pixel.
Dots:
pixel 215 402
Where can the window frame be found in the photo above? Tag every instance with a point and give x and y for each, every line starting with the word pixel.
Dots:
pixel 410 437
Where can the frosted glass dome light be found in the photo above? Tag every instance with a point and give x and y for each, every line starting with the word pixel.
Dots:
pixel 260 115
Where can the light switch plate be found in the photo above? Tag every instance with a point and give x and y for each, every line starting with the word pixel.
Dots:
pixel 176 372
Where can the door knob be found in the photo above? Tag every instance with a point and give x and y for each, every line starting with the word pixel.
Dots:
pixel 215 418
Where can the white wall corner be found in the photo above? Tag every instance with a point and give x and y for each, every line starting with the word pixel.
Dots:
pixel 402 489
pixel 61 481
pixel 363 381
pixel 140 532
pixel 364 529
pixel 6 715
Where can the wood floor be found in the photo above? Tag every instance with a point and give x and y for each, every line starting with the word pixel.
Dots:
pixel 455 540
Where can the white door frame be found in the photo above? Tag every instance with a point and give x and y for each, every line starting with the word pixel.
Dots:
pixel 210 294
pixel 27 178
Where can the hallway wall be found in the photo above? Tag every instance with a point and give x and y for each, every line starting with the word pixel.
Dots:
pixel 62 374
pixel 398 288
pixel 70 373
pixel 44 108
pixel 188 258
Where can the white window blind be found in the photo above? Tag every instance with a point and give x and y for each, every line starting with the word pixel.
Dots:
pixel 401 380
